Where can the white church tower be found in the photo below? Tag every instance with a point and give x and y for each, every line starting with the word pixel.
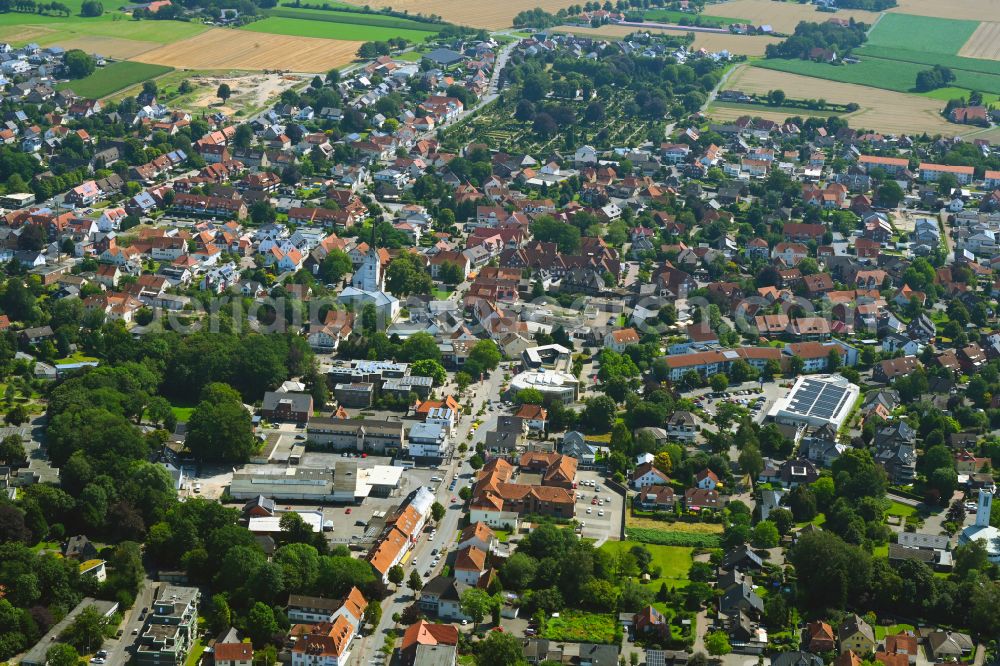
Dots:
pixel 369 276
pixel 984 508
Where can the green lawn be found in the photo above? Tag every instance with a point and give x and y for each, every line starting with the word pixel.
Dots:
pixel 441 294
pixel 945 94
pixel 195 655
pixel 882 631
pixel 502 535
pixel 114 77
pixel 183 414
pixel 579 627
pixel 410 56
pixel 674 561
pixel 78 357
pixel 934 35
pixel 330 30
pixel 902 510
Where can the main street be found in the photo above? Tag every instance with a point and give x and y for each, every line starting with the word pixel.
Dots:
pixel 420 557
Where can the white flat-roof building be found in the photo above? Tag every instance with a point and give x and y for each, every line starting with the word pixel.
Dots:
pixel 817 400
pixel 261 525
pixel 561 385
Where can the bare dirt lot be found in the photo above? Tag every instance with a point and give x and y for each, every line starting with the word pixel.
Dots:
pixel 882 110
pixel 251 91
pixel 975 10
pixel 713 41
pixel 783 16
pixel 984 43
pixel 477 14
pixel 221 48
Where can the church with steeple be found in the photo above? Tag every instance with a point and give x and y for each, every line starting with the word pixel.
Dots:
pixel 370 276
pixel 368 287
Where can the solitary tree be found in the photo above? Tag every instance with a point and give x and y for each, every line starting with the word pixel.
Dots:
pixel 415 583
pixel 396 575
pixel 224 92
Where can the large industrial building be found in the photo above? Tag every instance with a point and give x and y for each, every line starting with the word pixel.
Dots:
pixel 356 434
pixel 815 401
pixel 345 483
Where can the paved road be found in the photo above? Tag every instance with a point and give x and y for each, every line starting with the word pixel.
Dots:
pixel 117 648
pixel 367 650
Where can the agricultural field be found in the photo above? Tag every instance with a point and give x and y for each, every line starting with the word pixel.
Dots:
pixel 329 29
pixel 20 29
pixel 783 16
pixel 114 77
pixel 492 15
pixel 896 75
pixel 674 16
pixel 883 110
pixel 933 35
pixel 713 41
pixel 984 43
pixel 221 48
pixel 974 10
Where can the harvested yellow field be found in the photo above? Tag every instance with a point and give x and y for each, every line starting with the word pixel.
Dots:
pixel 882 110
pixel 783 16
pixel 713 41
pixel 973 10
pixel 738 44
pixel 220 48
pixel 111 47
pixel 984 43
pixel 491 15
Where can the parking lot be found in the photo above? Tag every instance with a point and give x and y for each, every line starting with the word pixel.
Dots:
pixel 596 526
pixel 746 395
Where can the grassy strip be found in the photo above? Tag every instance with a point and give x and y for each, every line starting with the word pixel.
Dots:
pixel 114 77
pixel 790 110
pixel 674 16
pixel 355 18
pixel 333 30
pixel 929 59
pixel 664 538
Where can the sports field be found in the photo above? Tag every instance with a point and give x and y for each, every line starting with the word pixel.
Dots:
pixel 222 48
pixel 328 29
pixel 113 78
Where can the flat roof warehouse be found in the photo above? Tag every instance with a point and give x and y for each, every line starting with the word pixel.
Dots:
pixel 817 401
